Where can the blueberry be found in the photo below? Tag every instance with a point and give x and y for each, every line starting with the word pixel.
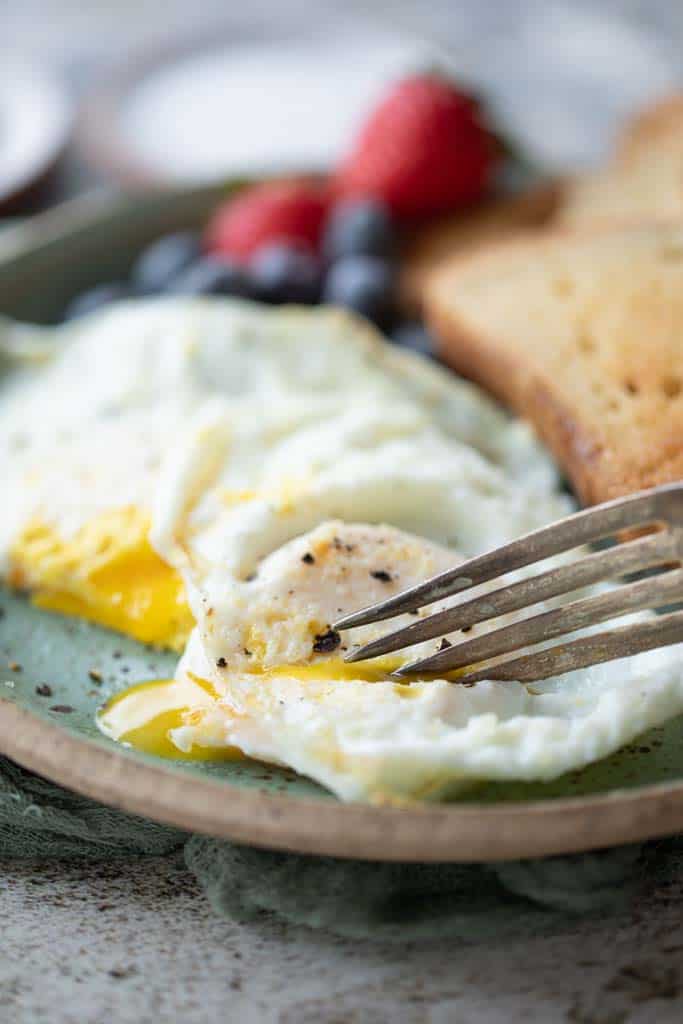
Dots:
pixel 362 283
pixel 94 298
pixel 163 261
pixel 415 336
pixel 212 277
pixel 285 272
pixel 361 227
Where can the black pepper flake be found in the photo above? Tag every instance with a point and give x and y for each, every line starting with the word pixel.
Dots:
pixel 382 575
pixel 221 662
pixel 117 654
pixel 339 545
pixel 250 578
pixel 445 644
pixel 121 972
pixel 465 629
pixel 308 558
pixel 44 690
pixel 63 709
pixel 95 675
pixel 246 652
pixel 323 643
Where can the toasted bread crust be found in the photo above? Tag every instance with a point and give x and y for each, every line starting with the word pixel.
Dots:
pixel 642 179
pixel 659 123
pixel 499 372
pixel 431 246
pixel 600 373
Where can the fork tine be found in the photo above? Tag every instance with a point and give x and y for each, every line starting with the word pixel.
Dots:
pixel 622 642
pixel 656 591
pixel 580 528
pixel 657 549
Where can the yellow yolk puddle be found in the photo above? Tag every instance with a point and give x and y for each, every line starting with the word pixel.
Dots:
pixel 143 716
pixel 378 670
pixel 335 670
pixel 108 573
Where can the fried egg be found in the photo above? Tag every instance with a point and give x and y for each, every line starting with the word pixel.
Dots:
pixel 90 411
pixel 227 480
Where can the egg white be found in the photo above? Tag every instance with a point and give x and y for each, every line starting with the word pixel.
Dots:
pixel 89 410
pixel 365 735
pixel 380 740
pixel 234 400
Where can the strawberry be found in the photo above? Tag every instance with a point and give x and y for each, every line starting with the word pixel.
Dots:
pixel 424 149
pixel 266 213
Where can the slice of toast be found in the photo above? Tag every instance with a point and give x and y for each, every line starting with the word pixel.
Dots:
pixel 429 247
pixel 644 180
pixel 581 333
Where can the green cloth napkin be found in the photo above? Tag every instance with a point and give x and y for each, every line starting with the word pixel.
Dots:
pixel 357 899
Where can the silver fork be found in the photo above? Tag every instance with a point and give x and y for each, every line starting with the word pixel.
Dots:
pixel 661 509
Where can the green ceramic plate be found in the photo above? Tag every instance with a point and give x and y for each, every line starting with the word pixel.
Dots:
pixel 632 795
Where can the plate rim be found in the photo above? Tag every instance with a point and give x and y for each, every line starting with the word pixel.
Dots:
pixel 407 832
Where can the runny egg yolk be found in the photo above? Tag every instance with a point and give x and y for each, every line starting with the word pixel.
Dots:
pixel 335 670
pixel 144 715
pixel 106 572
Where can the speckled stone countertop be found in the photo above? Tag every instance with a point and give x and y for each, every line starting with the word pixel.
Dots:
pixel 136 943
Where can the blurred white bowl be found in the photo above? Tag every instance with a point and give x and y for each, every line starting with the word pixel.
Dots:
pixel 35 119
pixel 240 109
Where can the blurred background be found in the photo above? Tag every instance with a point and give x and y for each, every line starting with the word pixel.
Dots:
pixel 130 92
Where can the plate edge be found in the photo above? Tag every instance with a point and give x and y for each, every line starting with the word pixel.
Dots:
pixel 305 825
